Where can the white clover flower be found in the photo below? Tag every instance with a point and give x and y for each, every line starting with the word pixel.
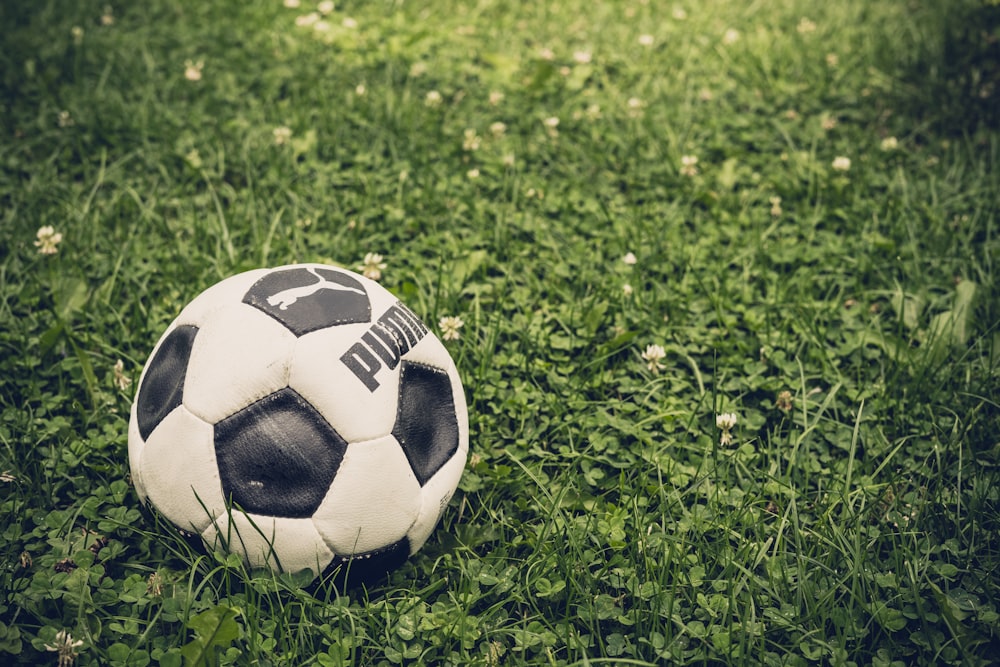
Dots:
pixel 282 135
pixel 582 57
pixel 889 144
pixel 307 20
pixel 66 647
pixel 121 380
pixel 775 206
pixel 629 258
pixel 433 98
pixel 322 26
pixel 653 355
pixel 496 97
pixel 349 23
pixel 546 53
pixel 325 7
pixel 832 59
pixel 805 26
pixel 472 174
pixel 679 14
pixel 47 240
pixel 551 126
pixel 65 119
pixel 725 422
pixel 635 107
pixel 731 36
pixel 689 165
pixel 627 289
pixel 498 129
pixel 508 160
pixel 646 40
pixel 841 163
pixel 450 325
pixel 372 266
pixel 192 69
pixel 77 33
pixel 360 90
pixel 293 4
pixel 470 140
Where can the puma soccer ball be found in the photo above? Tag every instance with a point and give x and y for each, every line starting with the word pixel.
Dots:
pixel 303 418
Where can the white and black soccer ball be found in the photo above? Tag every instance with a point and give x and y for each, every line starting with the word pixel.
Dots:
pixel 301 417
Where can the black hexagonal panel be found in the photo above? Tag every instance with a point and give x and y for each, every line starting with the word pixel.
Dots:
pixel 367 568
pixel 305 299
pixel 162 388
pixel 426 423
pixel 278 456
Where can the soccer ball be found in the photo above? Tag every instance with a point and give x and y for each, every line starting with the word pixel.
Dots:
pixel 303 418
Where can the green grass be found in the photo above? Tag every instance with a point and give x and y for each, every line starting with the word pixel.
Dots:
pixel 853 519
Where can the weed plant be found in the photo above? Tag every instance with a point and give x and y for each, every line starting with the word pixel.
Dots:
pixel 647 214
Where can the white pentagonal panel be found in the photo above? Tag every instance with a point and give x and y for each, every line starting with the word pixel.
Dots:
pixel 435 495
pixel 288 545
pixel 320 375
pixel 372 502
pixel 220 295
pixel 240 355
pixel 178 471
pixel 431 352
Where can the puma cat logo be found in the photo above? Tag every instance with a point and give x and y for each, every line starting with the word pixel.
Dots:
pixel 287 297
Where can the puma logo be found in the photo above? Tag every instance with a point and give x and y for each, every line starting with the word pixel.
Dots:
pixel 287 297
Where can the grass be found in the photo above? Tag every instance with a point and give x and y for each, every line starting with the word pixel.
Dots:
pixel 848 317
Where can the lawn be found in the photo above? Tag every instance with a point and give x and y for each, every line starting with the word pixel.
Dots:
pixel 729 284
